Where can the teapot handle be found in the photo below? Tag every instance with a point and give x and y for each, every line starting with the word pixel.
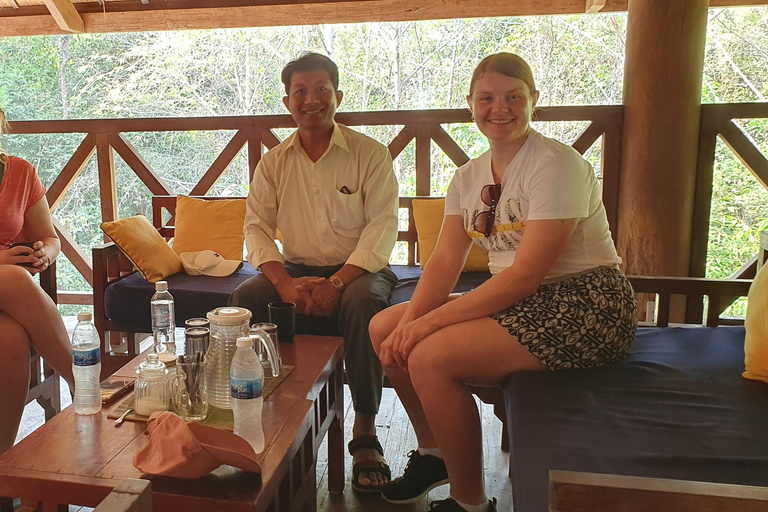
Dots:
pixel 271 354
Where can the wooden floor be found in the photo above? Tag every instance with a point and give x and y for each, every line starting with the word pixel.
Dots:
pixel 397 438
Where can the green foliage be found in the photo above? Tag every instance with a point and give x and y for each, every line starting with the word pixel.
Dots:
pixel 383 66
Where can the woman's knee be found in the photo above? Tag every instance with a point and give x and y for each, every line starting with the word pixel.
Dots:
pixel 15 343
pixel 14 279
pixel 383 323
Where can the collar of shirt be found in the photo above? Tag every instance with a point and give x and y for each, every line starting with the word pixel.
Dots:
pixel 337 139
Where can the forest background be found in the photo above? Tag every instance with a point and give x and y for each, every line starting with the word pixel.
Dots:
pixel 577 60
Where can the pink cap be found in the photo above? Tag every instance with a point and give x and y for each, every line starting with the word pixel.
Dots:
pixel 191 450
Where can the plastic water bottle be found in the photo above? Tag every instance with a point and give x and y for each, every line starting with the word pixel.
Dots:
pixel 86 365
pixel 246 383
pixel 163 319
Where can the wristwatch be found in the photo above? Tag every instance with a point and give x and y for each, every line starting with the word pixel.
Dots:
pixel 336 282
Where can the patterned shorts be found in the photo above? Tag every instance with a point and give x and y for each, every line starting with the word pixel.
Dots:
pixel 583 321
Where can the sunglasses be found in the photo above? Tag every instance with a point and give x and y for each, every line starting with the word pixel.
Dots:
pixel 490 195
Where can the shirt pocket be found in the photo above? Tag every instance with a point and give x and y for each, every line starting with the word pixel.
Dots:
pixel 348 214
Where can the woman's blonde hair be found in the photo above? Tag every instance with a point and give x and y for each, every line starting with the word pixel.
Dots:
pixel 507 64
pixel 4 128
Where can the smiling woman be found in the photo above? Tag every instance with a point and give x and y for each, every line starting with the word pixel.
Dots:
pixel 558 262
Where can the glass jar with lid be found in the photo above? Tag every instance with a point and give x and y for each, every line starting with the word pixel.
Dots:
pixel 151 391
pixel 227 324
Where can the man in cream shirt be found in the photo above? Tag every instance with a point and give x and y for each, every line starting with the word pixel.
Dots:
pixel 333 195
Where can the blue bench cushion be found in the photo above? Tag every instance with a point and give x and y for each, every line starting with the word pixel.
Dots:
pixel 677 408
pixel 407 277
pixel 126 302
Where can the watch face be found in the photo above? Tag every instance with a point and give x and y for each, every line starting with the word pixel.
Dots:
pixel 336 282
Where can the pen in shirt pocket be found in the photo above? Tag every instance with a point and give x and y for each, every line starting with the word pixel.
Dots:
pixel 344 190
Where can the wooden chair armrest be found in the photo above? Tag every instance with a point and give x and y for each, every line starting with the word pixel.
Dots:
pixel 130 495
pixel 48 282
pixel 571 491
pixel 109 266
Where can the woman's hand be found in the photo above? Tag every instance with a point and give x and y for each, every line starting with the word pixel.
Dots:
pixel 400 343
pixel 15 255
pixel 41 259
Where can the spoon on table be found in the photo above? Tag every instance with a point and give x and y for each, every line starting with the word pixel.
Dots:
pixel 119 421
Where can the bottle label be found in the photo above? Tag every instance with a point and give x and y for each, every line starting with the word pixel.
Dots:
pixel 242 388
pixel 86 357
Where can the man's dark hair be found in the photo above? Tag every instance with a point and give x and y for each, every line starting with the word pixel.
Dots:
pixel 310 61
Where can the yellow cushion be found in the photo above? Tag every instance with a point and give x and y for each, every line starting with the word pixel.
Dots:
pixel 215 225
pixel 428 216
pixel 143 245
pixel 756 341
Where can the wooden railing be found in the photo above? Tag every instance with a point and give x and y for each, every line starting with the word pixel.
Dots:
pixel 105 136
pixel 717 120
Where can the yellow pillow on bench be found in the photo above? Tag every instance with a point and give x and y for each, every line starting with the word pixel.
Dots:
pixel 215 225
pixel 756 323
pixel 143 245
pixel 428 217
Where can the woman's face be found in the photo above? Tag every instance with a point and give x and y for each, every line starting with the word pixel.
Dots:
pixel 502 106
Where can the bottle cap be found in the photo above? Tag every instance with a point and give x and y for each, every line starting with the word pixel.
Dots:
pixel 244 342
pixel 161 286
pixel 229 316
pixel 84 316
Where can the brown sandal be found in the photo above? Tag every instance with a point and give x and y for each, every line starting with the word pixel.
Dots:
pixel 369 442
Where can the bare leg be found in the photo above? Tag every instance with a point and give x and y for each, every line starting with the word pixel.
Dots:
pixel 14 384
pixel 381 326
pixel 475 352
pixel 28 305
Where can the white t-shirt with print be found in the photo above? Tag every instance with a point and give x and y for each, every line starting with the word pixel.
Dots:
pixel 546 180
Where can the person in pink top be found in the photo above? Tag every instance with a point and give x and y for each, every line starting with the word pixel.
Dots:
pixel 28 316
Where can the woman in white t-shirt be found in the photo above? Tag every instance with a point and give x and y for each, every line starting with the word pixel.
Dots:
pixel 557 298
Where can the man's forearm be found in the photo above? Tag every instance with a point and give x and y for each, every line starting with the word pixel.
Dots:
pixel 349 273
pixel 276 273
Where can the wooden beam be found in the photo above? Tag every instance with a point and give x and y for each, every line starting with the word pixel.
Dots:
pixel 572 492
pixel 594 6
pixel 140 167
pixel 588 137
pixel 746 151
pixel 211 176
pixel 66 16
pixel 74 253
pixel 107 186
pixel 132 16
pixel 448 145
pixel 661 129
pixel 423 161
pixel 71 171
pixel 401 140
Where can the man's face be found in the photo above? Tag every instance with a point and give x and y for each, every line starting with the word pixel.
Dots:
pixel 311 100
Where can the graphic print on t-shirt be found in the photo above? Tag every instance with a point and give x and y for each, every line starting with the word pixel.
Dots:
pixel 507 231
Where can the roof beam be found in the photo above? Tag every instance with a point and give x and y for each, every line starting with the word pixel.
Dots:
pixel 132 16
pixel 66 16
pixel 594 6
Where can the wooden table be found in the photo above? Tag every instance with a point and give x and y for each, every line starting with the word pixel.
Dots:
pixel 78 460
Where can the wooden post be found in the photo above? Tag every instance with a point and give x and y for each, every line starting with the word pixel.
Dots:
pixel 662 99
pixel 107 186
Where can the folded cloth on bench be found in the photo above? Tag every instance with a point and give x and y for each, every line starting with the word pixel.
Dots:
pixel 677 408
